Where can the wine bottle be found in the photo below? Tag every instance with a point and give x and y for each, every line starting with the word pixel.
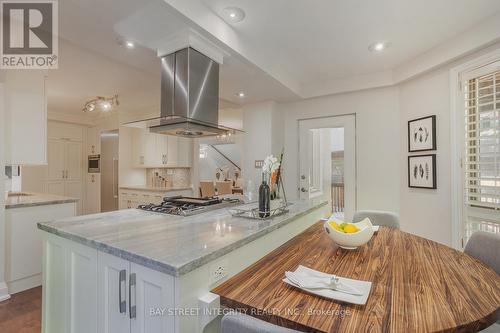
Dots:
pixel 264 198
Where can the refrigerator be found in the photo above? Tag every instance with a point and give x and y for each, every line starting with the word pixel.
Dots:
pixel 109 171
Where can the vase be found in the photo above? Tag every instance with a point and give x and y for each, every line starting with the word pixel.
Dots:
pixel 264 198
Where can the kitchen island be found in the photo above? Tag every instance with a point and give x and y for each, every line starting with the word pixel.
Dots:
pixel 137 271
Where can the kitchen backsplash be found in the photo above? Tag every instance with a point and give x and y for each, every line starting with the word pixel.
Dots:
pixel 174 177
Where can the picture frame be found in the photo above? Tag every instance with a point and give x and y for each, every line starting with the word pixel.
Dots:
pixel 422 134
pixel 422 171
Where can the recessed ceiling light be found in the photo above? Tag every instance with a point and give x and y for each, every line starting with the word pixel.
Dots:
pixel 241 94
pixel 379 46
pixel 234 14
pixel 129 44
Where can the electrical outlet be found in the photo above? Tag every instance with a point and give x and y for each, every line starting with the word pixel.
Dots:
pixel 218 271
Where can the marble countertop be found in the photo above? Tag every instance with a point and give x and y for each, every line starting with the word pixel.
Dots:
pixel 154 189
pixel 167 243
pixel 36 199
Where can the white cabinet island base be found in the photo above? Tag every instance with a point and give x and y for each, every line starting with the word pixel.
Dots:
pixel 136 271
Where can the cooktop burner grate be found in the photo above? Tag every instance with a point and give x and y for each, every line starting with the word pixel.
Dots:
pixel 186 206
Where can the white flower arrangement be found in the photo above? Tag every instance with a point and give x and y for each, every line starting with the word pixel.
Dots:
pixel 271 164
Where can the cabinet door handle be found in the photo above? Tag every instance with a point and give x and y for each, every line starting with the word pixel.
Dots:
pixel 131 304
pixel 63 174
pixel 121 291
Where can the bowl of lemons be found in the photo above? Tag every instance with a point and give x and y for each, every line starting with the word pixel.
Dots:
pixel 349 235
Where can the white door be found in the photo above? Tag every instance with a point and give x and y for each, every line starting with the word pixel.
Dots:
pixel 319 141
pixel 56 160
pixel 150 290
pixel 113 302
pixel 82 288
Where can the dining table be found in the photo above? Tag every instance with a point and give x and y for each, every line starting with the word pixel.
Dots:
pixel 418 285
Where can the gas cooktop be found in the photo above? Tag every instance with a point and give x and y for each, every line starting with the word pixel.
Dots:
pixel 186 206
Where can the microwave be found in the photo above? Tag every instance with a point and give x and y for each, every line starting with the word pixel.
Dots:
pixel 94 163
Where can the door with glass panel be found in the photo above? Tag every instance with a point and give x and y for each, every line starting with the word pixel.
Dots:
pixel 327 163
pixel 481 151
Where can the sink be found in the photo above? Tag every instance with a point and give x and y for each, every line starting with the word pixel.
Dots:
pixel 18 194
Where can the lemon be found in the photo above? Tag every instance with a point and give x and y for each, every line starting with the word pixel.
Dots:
pixel 333 224
pixel 350 228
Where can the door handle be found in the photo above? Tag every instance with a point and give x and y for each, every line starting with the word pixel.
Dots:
pixel 303 190
pixel 121 291
pixel 131 304
pixel 115 178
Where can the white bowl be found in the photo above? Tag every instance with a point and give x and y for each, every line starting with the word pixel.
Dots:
pixel 351 241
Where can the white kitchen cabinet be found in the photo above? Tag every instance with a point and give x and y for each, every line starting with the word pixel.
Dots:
pixel 23 243
pixel 152 290
pixel 77 278
pixel 54 288
pixel 93 193
pixel 69 287
pixel 184 152
pixel 56 160
pixel 127 293
pixel 93 141
pixel 65 169
pixel 73 161
pixel 82 290
pixel 151 150
pixel 26 109
pixel 113 279
pixel 144 149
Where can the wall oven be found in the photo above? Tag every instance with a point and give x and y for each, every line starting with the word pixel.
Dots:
pixel 94 163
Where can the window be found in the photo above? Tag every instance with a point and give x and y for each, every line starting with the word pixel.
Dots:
pixel 482 154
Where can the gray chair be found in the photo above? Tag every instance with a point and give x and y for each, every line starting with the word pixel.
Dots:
pixel 241 323
pixel 485 247
pixel 378 217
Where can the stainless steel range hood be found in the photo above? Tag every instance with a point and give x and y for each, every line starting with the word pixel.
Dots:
pixel 189 97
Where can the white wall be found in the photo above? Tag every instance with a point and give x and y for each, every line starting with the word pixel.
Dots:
pixel 264 135
pixel 377 142
pixel 427 212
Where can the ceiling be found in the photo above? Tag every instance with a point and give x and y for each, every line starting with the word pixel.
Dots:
pixel 315 42
pixel 92 62
pixel 283 50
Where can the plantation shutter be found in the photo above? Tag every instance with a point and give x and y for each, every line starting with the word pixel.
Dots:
pixel 482 154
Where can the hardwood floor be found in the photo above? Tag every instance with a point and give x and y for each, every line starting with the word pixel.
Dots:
pixel 22 313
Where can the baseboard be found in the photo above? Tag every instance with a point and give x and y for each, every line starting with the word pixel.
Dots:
pixel 25 284
pixel 4 292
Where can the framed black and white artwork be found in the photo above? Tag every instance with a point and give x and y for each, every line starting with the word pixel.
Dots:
pixel 422 134
pixel 422 171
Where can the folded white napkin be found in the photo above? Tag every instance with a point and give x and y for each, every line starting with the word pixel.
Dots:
pixel 320 284
pixel 308 281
